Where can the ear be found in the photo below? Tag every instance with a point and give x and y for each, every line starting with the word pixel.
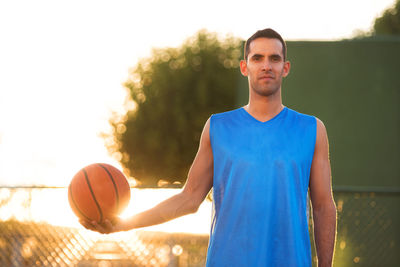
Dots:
pixel 243 67
pixel 286 69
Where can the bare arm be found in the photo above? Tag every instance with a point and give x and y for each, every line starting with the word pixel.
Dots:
pixel 197 186
pixel 323 205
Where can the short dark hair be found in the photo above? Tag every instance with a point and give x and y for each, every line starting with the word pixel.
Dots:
pixel 266 33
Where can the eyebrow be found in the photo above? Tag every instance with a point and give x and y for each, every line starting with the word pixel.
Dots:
pixel 277 56
pixel 257 56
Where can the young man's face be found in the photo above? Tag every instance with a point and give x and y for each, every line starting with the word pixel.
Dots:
pixel 265 66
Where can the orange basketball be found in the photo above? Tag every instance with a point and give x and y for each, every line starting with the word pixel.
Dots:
pixel 98 192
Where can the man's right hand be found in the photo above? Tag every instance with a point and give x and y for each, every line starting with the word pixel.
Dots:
pixel 105 227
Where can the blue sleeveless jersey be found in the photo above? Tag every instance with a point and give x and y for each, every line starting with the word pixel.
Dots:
pixel 261 177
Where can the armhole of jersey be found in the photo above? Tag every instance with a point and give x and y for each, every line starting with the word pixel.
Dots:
pixel 314 136
pixel 314 142
pixel 210 132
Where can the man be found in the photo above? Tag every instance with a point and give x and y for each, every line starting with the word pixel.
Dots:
pixel 260 160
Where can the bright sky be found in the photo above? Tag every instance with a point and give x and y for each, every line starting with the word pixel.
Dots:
pixel 62 65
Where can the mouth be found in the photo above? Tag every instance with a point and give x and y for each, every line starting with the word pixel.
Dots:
pixel 266 78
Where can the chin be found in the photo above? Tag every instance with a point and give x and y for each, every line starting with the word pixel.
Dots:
pixel 266 91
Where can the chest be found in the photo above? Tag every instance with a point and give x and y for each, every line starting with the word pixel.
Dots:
pixel 262 145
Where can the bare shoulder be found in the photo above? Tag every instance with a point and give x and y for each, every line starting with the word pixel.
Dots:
pixel 207 126
pixel 320 126
pixel 322 135
pixel 205 135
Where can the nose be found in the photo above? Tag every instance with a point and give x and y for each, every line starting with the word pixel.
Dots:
pixel 267 65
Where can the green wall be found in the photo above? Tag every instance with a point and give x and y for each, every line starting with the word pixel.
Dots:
pixel 354 88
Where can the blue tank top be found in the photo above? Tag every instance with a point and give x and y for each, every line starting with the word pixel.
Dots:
pixel 260 185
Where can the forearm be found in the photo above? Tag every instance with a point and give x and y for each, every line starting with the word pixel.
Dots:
pixel 325 233
pixel 174 207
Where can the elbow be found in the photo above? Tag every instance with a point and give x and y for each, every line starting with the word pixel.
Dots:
pixel 191 203
pixel 194 208
pixel 194 205
pixel 327 207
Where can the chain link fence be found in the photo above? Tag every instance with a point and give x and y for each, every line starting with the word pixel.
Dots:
pixel 38 244
pixel 368 230
pixel 368 235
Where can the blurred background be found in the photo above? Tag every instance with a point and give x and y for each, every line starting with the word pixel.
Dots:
pixel 132 84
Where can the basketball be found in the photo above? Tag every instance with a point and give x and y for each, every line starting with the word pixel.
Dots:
pixel 98 192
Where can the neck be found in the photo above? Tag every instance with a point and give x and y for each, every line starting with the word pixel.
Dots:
pixel 264 108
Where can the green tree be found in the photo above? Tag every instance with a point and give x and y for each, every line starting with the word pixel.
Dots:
pixel 174 92
pixel 389 22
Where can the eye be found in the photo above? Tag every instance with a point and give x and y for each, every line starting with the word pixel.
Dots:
pixel 275 58
pixel 257 57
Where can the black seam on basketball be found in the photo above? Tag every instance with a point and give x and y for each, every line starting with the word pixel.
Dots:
pixel 75 205
pixel 115 185
pixel 94 198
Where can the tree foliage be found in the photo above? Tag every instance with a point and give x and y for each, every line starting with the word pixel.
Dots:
pixel 389 22
pixel 174 92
